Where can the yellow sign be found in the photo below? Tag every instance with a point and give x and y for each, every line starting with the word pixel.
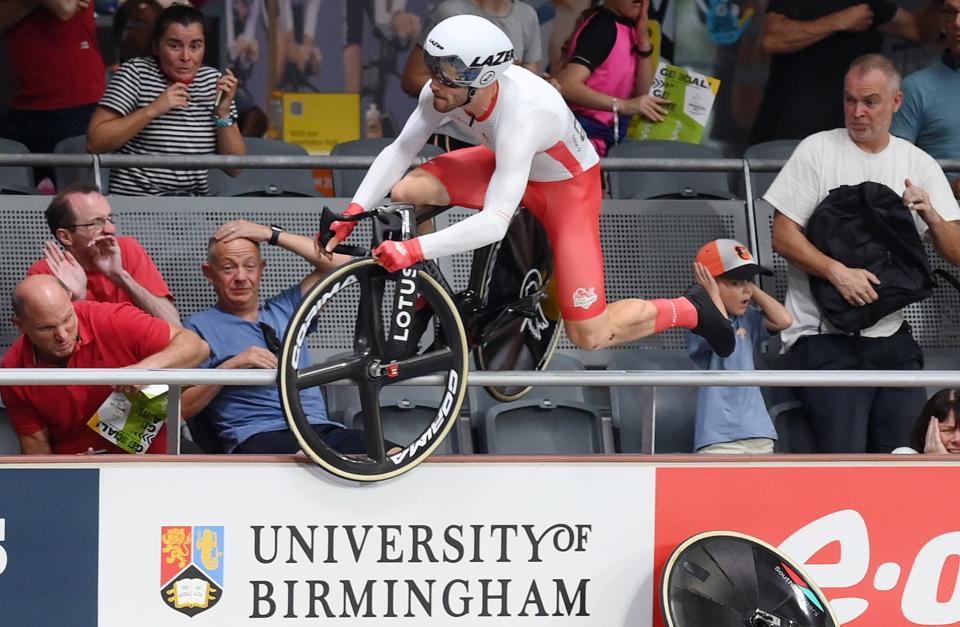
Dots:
pixel 319 121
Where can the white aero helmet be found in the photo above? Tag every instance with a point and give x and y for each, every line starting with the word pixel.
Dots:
pixel 467 51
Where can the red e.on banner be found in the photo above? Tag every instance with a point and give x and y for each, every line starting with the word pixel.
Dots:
pixel 882 543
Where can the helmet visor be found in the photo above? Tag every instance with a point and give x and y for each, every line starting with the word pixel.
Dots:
pixel 451 70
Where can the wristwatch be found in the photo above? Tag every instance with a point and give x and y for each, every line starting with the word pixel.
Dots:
pixel 225 122
pixel 275 235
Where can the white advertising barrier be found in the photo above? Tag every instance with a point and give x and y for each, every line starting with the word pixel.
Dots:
pixel 117 543
pixel 516 543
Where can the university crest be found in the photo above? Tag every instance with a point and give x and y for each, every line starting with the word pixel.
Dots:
pixel 191 567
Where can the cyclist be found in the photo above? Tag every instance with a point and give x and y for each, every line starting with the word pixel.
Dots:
pixel 532 152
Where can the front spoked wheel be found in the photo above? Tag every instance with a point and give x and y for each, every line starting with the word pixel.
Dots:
pixel 405 326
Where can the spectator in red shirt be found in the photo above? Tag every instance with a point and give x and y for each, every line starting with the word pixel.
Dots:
pixel 96 263
pixel 57 71
pixel 58 332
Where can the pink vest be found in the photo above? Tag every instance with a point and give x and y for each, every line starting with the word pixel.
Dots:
pixel 616 76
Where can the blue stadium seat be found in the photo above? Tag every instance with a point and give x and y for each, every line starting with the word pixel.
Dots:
pixel 265 181
pixel 666 414
pixel 77 145
pixel 405 411
pixel 9 442
pixel 682 184
pixel 776 149
pixel 346 181
pixel 15 179
pixel 541 426
pixel 480 400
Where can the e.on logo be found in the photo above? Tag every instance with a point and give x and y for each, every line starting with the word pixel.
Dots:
pixel 882 543
pixel 931 587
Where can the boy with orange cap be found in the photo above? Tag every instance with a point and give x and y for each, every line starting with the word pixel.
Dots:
pixel 734 419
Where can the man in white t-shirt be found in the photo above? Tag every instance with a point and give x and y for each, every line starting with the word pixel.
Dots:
pixel 857 420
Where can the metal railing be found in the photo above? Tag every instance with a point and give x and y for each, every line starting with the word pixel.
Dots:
pixel 176 378
pixel 610 164
pixel 329 161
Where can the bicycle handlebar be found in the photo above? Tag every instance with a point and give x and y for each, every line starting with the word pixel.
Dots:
pixel 388 224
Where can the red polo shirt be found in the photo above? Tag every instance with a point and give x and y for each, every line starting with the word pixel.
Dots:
pixel 110 336
pixel 136 261
pixel 54 63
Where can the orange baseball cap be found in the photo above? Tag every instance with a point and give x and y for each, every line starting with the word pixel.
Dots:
pixel 730 259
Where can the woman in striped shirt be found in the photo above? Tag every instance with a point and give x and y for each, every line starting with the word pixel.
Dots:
pixel 167 104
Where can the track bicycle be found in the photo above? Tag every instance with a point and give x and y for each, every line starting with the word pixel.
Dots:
pixel 411 323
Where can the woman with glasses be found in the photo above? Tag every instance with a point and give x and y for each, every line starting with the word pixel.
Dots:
pixel 170 104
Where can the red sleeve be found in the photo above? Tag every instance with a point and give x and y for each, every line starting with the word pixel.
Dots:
pixel 142 334
pixel 141 267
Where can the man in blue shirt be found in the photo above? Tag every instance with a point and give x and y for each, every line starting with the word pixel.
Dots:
pixel 244 332
pixel 928 115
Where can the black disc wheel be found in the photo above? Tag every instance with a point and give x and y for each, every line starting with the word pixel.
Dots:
pixel 518 290
pixel 727 579
pixel 396 326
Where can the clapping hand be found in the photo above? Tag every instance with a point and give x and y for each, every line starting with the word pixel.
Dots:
pixel 65 267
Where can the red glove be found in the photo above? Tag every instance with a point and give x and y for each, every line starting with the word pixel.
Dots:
pixel 342 230
pixel 395 256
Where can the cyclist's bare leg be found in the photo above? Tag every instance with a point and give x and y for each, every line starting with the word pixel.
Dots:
pixel 424 190
pixel 623 321
pixel 631 319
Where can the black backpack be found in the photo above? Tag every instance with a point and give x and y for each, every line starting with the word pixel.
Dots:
pixel 867 226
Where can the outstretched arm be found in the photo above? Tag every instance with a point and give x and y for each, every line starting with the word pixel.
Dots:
pixel 504 193
pixel 185 350
pixel 394 160
pixel 516 146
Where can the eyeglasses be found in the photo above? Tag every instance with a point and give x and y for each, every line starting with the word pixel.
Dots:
pixel 270 337
pixel 99 223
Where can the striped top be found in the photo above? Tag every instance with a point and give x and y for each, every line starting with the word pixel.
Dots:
pixel 189 131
